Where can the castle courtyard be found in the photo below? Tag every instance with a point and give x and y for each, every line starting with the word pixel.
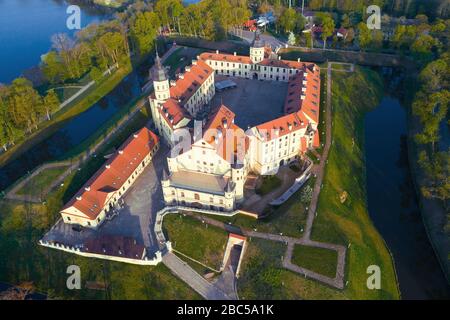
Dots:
pixel 253 101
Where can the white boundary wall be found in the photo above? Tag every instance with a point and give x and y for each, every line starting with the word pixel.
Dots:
pixel 144 262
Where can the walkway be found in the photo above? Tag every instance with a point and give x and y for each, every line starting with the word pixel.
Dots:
pixel 181 269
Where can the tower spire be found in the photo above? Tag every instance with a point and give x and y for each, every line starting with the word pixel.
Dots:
pixel 159 73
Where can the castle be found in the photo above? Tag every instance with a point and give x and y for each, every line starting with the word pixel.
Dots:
pixel 212 171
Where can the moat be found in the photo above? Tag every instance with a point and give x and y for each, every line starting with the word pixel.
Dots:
pixel 393 204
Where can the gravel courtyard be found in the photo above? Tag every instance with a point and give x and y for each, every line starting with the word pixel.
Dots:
pixel 253 101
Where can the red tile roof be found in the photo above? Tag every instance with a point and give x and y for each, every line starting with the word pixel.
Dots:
pixel 237 236
pixel 173 112
pixel 222 124
pixel 185 87
pixel 310 92
pixel 190 82
pixel 281 63
pixel 116 246
pixel 281 126
pixel 223 57
pixel 91 198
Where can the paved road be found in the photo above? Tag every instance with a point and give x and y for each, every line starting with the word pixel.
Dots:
pixel 182 270
pixel 268 39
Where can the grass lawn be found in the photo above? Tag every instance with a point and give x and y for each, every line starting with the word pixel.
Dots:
pixel 263 277
pixel 269 183
pixel 289 218
pixel 37 184
pixel 320 260
pixel 191 237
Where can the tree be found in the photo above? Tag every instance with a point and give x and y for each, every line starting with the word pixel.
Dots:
pixel 300 22
pixel 377 39
pixel 327 29
pixel 431 110
pixel 422 46
pixel 25 104
pixel 435 76
pixel 143 31
pixel 291 39
pixel 364 35
pixel 95 74
pixel 51 103
pixel 287 20
pixel 52 67
pixel 437 170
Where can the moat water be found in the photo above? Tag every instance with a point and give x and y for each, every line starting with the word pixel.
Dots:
pixel 393 205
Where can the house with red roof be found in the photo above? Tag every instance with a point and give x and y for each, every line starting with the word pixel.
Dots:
pixel 100 195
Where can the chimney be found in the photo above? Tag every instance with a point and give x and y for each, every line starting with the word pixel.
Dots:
pixel 217 51
pixel 87 188
pixel 188 68
pixel 107 166
pixel 303 97
pixel 173 83
pixel 234 53
pixel 298 59
pixel 79 198
pixel 120 151
pixel 135 135
pixel 279 57
pixel 181 76
pixel 194 62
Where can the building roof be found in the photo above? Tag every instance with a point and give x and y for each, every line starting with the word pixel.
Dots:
pixel 224 57
pixel 116 246
pixel 91 198
pixel 257 42
pixel 218 130
pixel 182 90
pixel 189 82
pixel 281 126
pixel 281 63
pixel 202 182
pixel 173 112
pixel 159 73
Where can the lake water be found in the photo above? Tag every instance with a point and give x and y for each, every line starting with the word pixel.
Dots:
pixel 393 205
pixel 25 30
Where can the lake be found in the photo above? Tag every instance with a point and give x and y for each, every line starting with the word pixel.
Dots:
pixel 25 30
pixel 393 205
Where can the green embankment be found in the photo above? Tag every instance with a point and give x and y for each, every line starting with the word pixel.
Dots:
pixel 353 94
pixel 199 241
pixel 77 106
pixel 39 183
